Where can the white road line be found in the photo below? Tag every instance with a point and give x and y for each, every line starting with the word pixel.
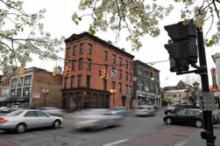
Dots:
pixel 182 143
pixel 115 142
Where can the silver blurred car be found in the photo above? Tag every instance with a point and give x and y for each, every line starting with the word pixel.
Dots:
pixel 22 120
pixel 145 110
pixel 95 119
pixel 52 111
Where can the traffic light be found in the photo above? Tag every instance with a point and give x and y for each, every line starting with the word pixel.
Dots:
pixel 182 47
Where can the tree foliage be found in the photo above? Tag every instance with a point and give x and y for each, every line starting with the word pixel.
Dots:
pixel 140 17
pixel 22 34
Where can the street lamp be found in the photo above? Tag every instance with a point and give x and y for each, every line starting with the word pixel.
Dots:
pixel 45 92
pixel 113 91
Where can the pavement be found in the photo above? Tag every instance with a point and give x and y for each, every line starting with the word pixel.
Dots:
pixel 6 143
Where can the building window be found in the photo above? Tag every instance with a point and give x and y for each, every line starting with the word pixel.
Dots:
pixel 79 83
pixel 20 82
pixel 89 64
pixel 120 60
pixel 18 92
pixel 130 90
pixel 12 93
pixel 73 65
pixel 120 74
pixel 126 64
pixel 113 84
pixel 106 55
pixel 89 48
pixel 74 50
pixel 130 77
pixel 27 80
pixel 88 79
pixel 65 82
pixel 120 87
pixel 13 82
pixel 72 81
pixel 81 48
pixel 80 63
pixel 126 76
pixel 126 88
pixel 123 100
pixel 26 92
pixel 105 84
pixel 68 52
pixel 113 59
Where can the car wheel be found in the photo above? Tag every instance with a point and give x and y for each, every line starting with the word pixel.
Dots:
pixel 56 124
pixel 20 128
pixel 168 121
pixel 198 123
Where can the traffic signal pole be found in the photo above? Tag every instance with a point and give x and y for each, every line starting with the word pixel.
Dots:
pixel 208 134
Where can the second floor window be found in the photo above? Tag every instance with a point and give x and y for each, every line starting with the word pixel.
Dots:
pixel 80 64
pixel 65 82
pixel 26 92
pixel 120 74
pixel 126 76
pixel 113 84
pixel 13 82
pixel 81 48
pixel 18 92
pixel 89 48
pixel 20 82
pixel 120 87
pixel 27 80
pixel 88 78
pixel 126 88
pixel 105 84
pixel 89 64
pixel 79 83
pixel 68 52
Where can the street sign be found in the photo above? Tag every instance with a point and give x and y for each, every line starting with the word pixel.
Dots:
pixel 207 102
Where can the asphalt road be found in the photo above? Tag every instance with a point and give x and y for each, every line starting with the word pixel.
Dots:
pixel 133 130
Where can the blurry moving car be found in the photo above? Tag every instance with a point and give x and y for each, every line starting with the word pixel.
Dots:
pixel 95 119
pixel 119 110
pixel 52 111
pixel 144 110
pixel 4 109
pixel 21 120
pixel 188 117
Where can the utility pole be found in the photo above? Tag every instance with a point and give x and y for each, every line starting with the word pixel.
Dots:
pixel 208 134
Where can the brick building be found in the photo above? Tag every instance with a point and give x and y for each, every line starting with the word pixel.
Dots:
pixel 36 87
pixel 87 55
pixel 146 84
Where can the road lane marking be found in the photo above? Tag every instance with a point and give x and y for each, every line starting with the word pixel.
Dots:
pixel 115 142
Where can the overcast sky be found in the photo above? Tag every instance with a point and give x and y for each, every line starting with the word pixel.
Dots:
pixel 58 22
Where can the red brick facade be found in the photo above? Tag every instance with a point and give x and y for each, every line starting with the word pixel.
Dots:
pixel 90 54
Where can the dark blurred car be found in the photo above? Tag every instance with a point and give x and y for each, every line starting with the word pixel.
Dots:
pixel 188 116
pixel 52 111
pixel 176 107
pixel 95 119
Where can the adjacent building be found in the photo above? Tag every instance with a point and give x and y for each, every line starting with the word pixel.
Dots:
pixel 36 87
pixel 146 84
pixel 84 87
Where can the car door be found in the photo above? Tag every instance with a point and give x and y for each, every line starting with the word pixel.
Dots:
pixel 45 119
pixel 180 117
pixel 31 119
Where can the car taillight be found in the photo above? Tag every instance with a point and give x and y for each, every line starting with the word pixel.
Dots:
pixel 3 121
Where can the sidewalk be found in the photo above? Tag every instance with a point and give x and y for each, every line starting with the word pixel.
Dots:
pixel 169 136
pixel 6 143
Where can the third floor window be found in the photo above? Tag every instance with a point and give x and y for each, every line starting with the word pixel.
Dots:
pixel 89 48
pixel 74 50
pixel 80 64
pixel 113 59
pixel 81 48
pixel 106 55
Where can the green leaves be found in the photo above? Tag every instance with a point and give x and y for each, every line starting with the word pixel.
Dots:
pixel 16 50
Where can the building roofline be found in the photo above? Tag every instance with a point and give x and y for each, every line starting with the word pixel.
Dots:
pixel 75 37
pixel 146 65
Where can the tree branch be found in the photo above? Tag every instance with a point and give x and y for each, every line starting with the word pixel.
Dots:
pixel 216 9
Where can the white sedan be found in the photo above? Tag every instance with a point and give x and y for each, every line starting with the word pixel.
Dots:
pixel 22 120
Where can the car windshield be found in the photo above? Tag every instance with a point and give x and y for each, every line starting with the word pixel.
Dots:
pixel 14 114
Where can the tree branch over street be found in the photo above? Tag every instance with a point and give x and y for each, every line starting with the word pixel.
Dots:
pixel 141 17
pixel 22 35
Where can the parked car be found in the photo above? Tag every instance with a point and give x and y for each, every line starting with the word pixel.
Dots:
pixel 21 120
pixel 188 116
pixel 4 109
pixel 119 110
pixel 95 119
pixel 145 110
pixel 52 111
